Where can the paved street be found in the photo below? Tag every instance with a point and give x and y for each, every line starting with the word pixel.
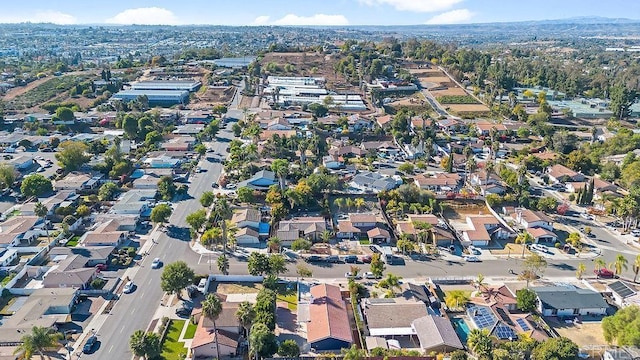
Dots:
pixel 134 311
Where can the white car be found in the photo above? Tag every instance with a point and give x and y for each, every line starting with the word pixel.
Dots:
pixel 350 275
pixel 586 216
pixel 369 275
pixel 128 287
pixel 636 232
pixel 231 186
pixel 202 285
pixel 156 263
pixel 471 259
pixel 540 248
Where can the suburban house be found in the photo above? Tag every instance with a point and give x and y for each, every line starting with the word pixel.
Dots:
pixel 372 182
pixel 383 148
pixel 436 334
pixel 179 143
pixel 8 256
pixel 532 219
pixel 60 199
pixel 542 235
pixel 70 271
pixel 146 181
pixel 261 180
pixel 561 174
pixel 125 222
pixel 480 178
pixel 104 234
pixel 623 293
pixel 162 162
pixel 451 126
pixel 622 353
pixel 77 181
pixel 440 182
pixel 328 327
pixel 333 162
pixel 18 229
pixel 346 150
pixel 440 236
pixel 378 235
pixel 246 236
pixel 94 254
pixel 392 318
pixel 569 301
pixel 484 128
pixel 46 307
pixel 246 218
pixel 384 121
pixel 134 202
pixel 356 225
pixel 225 335
pixel 481 229
pixel 306 227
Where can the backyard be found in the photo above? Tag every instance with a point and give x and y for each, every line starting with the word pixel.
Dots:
pixel 171 347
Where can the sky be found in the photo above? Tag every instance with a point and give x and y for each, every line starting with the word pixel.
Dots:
pixel 306 12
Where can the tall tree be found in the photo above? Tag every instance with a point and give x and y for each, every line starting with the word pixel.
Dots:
pixel 636 267
pixel 36 185
pixel 223 264
pixel 38 341
pixel 480 343
pixel 456 299
pixel 175 277
pixel 262 341
pixel 160 213
pixel 281 168
pixel 211 309
pixel 166 187
pixel 621 100
pixel 377 265
pixel 246 314
pixel 559 348
pixel 620 263
pixel 72 155
pixel 524 238
pixel 41 211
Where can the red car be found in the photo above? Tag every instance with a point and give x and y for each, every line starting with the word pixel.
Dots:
pixel 604 273
pixel 366 259
pixel 101 267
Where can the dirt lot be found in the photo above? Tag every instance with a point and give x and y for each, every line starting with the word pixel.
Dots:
pixel 449 92
pixel 224 288
pixel 467 108
pixel 311 64
pixel 585 334
pixel 212 96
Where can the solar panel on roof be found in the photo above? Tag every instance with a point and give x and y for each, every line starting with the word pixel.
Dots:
pixel 523 324
pixel 504 332
pixel 622 289
pixel 482 316
pixel 504 316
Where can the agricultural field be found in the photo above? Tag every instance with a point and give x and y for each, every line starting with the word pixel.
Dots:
pixel 467 109
pixel 210 96
pixel 43 92
pixel 456 99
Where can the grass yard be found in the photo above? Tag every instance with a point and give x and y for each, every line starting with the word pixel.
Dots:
pixel 171 347
pixel 364 241
pixel 191 330
pixel 5 303
pixel 73 242
pixel 238 288
pixel 290 297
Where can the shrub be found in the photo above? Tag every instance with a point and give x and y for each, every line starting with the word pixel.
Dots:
pixel 98 283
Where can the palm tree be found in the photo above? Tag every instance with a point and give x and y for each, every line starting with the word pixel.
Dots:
pixel 38 341
pixel 274 244
pixel 636 267
pixel 211 309
pixel 211 236
pixel 221 212
pixel 581 270
pixel 524 238
pixel 325 236
pixel 349 203
pixel 41 211
pixel 620 263
pixel 479 341
pixel 281 168
pixel 599 264
pixel 479 282
pixel 353 353
pixel 456 299
pixel 359 203
pixel 138 344
pixel 246 314
pixel 339 202
pixel 391 282
pixel 223 264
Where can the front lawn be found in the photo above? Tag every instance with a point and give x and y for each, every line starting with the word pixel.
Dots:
pixel 191 330
pixel 171 347
pixel 290 298
pixel 73 241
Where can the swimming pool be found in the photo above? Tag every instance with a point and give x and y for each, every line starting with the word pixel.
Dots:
pixel 461 329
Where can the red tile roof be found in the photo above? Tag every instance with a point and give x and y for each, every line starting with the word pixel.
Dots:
pixel 328 315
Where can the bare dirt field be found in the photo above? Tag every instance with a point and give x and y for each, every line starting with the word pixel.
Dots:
pixel 467 108
pixel 455 91
pixel 17 91
pixel 212 96
pixel 311 64
pixel 230 288
pixel 585 334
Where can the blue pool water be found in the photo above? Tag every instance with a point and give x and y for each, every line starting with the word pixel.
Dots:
pixel 461 329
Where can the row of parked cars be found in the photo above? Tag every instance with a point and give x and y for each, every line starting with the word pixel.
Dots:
pixel 336 259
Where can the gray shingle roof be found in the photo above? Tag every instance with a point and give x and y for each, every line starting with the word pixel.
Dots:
pixel 436 331
pixel 559 297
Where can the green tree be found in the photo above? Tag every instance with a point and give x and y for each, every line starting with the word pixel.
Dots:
pixel 200 149
pixel 582 268
pixel 207 198
pixel 107 191
pixel 72 155
pixel 281 168
pixel 38 341
pixel 83 210
pixel 277 264
pixel 246 315
pixel 130 126
pixel 377 265
pixel 636 267
pixel 41 211
pixel 621 100
pixel 480 343
pixel 559 348
pixel 534 265
pixel 223 264
pixel 289 348
pixel 390 282
pixel 262 341
pixel 65 113
pixel 526 300
pixel 161 213
pixel 301 244
pixel 175 277
pixel 456 299
pixel 152 137
pixel 304 271
pixel 406 168
pixel 166 187
pixel 245 194
pixel 623 328
pixel 258 264
pixel 405 245
pixel 211 309
pixel 196 219
pixel 524 238
pixel 353 353
pixel 620 263
pixel 7 176
pixel 145 344
pixel 36 185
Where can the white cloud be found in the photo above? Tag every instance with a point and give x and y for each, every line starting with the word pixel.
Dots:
pixel 317 19
pixel 425 6
pixel 144 16
pixel 43 16
pixel 261 20
pixel 452 17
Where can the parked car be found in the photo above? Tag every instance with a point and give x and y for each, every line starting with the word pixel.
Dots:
pixel 369 275
pixel 374 249
pixel 333 259
pixel 128 287
pixel 586 216
pixel 313 258
pixel 539 247
pixel 351 259
pixel 101 267
pixel 472 259
pixel 366 259
pixel 156 263
pixel 474 250
pixel 91 342
pixel 604 273
pixel 231 186
pixel 350 275
pixel 184 310
pixel 202 285
pixel 192 291
pixel 635 232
